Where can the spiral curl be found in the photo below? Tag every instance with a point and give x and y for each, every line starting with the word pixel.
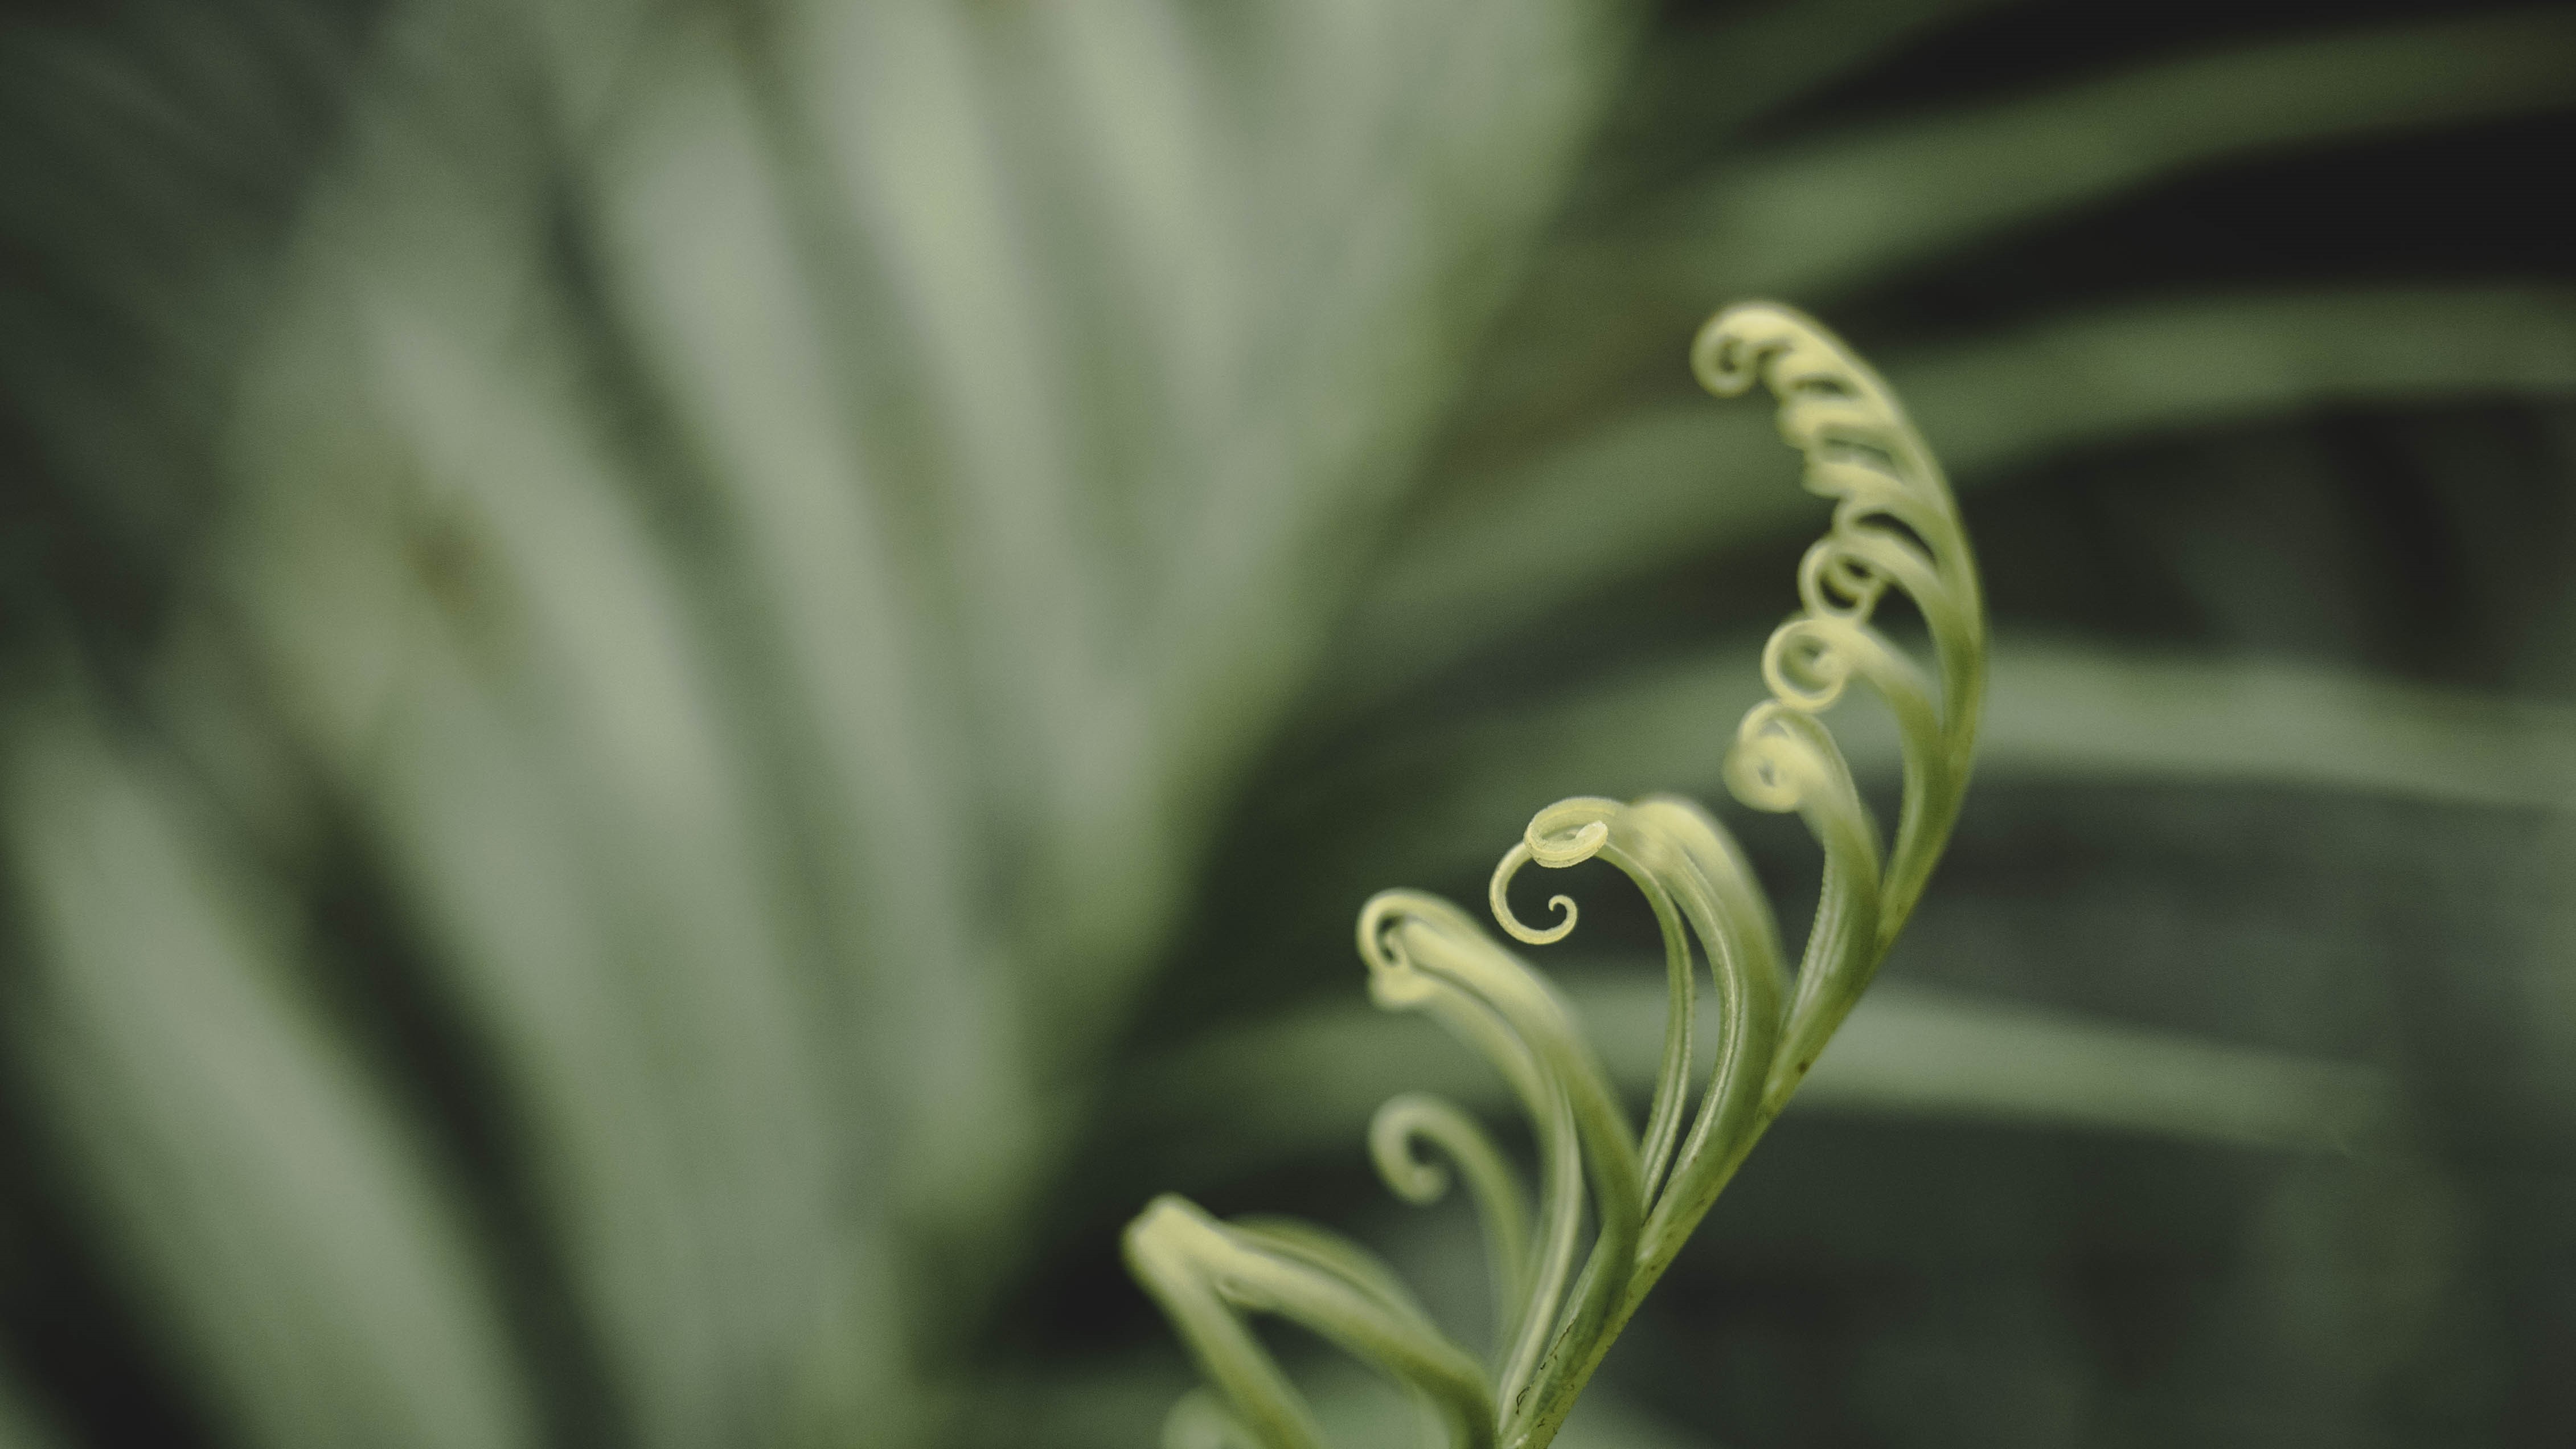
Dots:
pixel 1895 529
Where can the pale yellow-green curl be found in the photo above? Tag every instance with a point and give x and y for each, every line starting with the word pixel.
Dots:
pixel 1559 1304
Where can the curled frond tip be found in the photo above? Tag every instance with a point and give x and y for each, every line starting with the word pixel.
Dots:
pixel 1895 529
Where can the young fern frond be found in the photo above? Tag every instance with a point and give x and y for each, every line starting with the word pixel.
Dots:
pixel 1895 525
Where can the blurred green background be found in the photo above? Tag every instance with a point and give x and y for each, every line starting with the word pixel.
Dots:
pixel 685 689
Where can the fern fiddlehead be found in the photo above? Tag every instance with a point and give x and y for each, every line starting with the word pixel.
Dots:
pixel 1895 526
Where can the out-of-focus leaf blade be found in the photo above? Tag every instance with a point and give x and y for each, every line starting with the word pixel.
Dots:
pixel 1483 130
pixel 1255 1097
pixel 1666 484
pixel 700 232
pixel 476 631
pixel 1937 1054
pixel 679 510
pixel 1819 217
pixel 256 1186
pixel 551 779
pixel 1695 91
pixel 1830 212
pixel 1436 803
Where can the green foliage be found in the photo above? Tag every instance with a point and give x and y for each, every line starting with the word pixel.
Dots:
pixel 685 688
pixel 1896 530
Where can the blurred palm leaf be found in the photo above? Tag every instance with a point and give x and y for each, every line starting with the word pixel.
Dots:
pixel 265 1189
pixel 1831 215
pixel 1305 1084
pixel 688 653
pixel 650 643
